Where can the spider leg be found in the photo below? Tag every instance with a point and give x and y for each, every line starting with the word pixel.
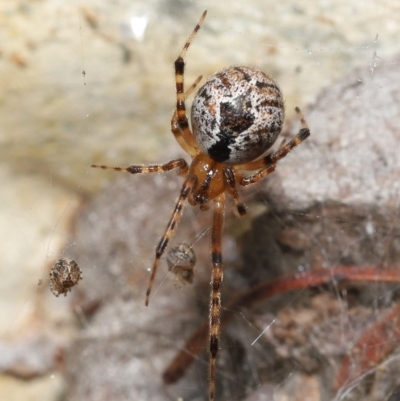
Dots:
pixel 216 280
pixel 230 180
pixel 180 164
pixel 187 187
pixel 189 143
pixel 181 119
pixel 268 164
pixel 193 86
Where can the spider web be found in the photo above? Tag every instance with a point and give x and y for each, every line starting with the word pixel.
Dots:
pixel 94 84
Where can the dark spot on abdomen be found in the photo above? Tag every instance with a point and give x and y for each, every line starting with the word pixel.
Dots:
pixel 220 151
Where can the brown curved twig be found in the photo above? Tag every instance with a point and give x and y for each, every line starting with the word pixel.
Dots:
pixel 371 348
pixel 196 343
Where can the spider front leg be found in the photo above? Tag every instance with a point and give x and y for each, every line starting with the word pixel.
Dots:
pixel 268 164
pixel 179 164
pixel 187 187
pixel 216 281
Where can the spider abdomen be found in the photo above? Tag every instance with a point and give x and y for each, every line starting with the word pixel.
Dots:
pixel 237 115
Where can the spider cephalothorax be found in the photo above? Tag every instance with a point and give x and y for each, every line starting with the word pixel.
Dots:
pixel 237 115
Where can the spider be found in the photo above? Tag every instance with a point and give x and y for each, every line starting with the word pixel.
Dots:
pixel 236 116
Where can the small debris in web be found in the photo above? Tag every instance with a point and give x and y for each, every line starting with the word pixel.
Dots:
pixel 181 260
pixel 64 275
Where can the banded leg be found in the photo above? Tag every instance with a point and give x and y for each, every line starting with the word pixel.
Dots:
pixel 188 144
pixel 176 214
pixel 193 86
pixel 182 120
pixel 179 164
pixel 230 181
pixel 216 281
pixel 252 179
pixel 268 164
pixel 283 150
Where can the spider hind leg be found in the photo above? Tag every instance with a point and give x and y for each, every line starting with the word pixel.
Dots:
pixel 267 164
pixel 230 180
pixel 180 113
